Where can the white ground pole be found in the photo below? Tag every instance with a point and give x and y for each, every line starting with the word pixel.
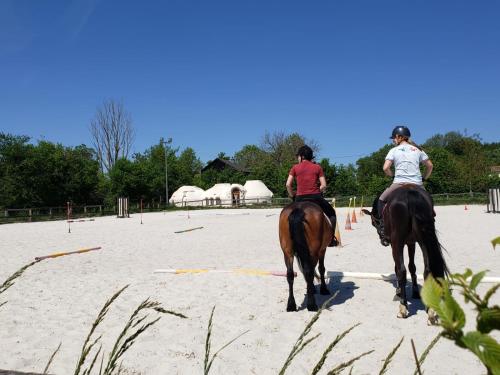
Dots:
pixel 329 274
pixel 390 276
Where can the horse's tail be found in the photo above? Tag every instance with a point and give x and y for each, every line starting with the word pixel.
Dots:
pixel 296 221
pixel 423 226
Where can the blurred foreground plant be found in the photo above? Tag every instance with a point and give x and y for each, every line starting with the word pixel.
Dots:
pixel 208 345
pixel 137 324
pixel 303 341
pixel 437 295
pixel 11 279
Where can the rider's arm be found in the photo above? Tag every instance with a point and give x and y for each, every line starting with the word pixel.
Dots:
pixel 387 168
pixel 289 185
pixel 322 184
pixel 428 168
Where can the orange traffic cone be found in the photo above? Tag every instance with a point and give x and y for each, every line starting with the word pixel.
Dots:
pixel 337 234
pixel 348 222
pixel 354 219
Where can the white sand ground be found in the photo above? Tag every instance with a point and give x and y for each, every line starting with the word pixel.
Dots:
pixel 58 299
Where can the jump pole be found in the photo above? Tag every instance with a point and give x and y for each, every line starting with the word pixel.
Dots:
pixel 389 276
pixel 188 230
pixel 251 272
pixel 56 255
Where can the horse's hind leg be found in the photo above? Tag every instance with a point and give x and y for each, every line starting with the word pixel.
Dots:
pixel 413 271
pixel 398 255
pixel 291 305
pixel 311 301
pixel 323 289
pixel 432 317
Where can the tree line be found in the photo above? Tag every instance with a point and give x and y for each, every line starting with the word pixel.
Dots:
pixel 45 174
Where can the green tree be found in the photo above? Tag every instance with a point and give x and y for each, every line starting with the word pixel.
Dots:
pixel 127 179
pixel 250 157
pixel 346 180
pixel 371 178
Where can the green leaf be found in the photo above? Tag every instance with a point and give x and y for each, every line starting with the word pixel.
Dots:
pixel 452 316
pixel 468 273
pixel 476 279
pixel 486 348
pixel 489 319
pixel 432 293
pixel 490 292
pixel 495 242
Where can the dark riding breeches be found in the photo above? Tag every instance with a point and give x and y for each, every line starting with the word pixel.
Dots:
pixel 320 201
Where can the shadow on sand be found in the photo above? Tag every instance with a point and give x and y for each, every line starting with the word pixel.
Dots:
pixel 346 291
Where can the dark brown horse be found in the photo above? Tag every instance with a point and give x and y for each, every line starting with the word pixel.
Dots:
pixel 304 232
pixel 408 219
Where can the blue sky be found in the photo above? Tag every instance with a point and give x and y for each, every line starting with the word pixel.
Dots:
pixel 216 75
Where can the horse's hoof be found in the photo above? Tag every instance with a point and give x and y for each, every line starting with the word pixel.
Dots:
pixel 403 312
pixel 415 294
pixel 432 318
pixel 324 292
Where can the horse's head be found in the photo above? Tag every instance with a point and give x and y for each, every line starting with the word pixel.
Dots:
pixel 374 213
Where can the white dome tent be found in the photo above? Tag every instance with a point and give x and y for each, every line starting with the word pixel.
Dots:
pixel 257 192
pixel 225 194
pixel 188 196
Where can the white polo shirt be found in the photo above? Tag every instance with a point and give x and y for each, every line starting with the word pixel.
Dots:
pixel 406 159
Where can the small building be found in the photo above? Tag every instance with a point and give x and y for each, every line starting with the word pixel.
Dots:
pixel 220 164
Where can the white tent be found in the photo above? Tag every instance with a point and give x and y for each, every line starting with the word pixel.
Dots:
pixel 257 192
pixel 225 194
pixel 188 196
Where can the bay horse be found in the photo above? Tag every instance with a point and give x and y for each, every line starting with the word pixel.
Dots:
pixel 408 219
pixel 305 232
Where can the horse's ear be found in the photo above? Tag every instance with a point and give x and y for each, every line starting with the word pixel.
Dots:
pixel 366 211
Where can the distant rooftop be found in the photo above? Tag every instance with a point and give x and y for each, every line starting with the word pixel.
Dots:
pixel 220 164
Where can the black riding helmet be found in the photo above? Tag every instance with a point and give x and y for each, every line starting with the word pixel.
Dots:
pixel 306 152
pixel 400 130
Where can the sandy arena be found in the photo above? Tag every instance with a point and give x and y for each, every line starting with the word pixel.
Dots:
pixel 58 299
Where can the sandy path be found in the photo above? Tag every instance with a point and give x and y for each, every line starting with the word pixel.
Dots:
pixel 58 299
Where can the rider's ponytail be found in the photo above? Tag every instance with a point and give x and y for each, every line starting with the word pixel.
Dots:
pixel 414 144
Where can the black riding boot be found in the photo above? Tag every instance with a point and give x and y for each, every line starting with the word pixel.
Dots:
pixel 380 208
pixel 334 242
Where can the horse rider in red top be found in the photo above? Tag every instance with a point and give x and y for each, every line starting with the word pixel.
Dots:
pixel 311 183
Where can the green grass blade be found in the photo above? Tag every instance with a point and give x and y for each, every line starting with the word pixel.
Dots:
pixel 330 347
pixel 337 370
pixel 423 357
pixel 47 366
pixel 86 348
pixel 298 346
pixel 390 356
